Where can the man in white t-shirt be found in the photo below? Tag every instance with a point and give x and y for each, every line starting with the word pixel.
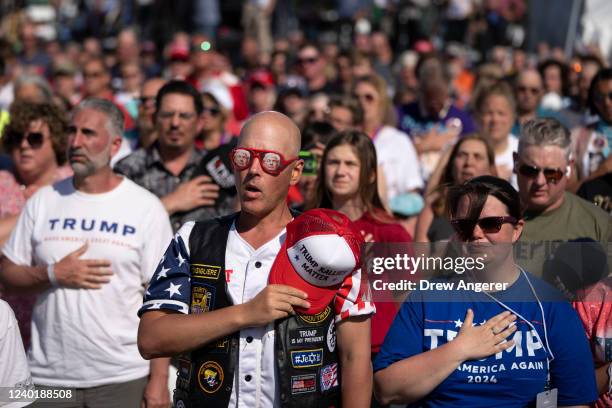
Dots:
pixel 182 311
pixel 88 245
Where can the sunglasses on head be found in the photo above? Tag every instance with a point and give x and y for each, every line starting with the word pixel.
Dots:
pixel 35 139
pixel 551 175
pixel 271 162
pixel 489 225
pixel 212 111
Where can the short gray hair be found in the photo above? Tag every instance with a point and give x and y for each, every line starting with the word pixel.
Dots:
pixel 545 132
pixel 114 116
pixel 39 82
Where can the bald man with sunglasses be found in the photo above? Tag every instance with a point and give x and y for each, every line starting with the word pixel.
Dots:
pixel 553 215
pixel 210 300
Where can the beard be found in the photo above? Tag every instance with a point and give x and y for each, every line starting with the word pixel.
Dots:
pixel 90 165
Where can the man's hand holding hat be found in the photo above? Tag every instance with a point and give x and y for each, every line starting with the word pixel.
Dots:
pixel 272 303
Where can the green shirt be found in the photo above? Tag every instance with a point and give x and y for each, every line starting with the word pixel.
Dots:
pixel 543 248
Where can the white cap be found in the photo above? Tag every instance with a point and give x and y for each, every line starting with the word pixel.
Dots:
pixel 322 260
pixel 220 92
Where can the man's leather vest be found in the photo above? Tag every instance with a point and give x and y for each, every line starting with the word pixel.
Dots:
pixel 305 346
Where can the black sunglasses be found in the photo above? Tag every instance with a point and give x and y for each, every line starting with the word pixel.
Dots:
pixel 488 225
pixel 551 175
pixel 35 139
pixel 211 111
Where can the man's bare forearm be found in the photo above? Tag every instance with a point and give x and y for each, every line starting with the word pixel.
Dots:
pixel 23 279
pixel 164 334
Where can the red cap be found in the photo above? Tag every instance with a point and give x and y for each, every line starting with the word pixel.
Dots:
pixel 321 248
pixel 423 46
pixel 261 77
pixel 179 52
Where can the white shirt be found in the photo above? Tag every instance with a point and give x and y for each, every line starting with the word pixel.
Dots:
pixel 247 270
pixel 14 370
pixel 506 159
pixel 86 338
pixel 399 160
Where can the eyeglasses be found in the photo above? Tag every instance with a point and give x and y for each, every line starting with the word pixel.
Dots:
pixel 307 60
pixel 488 225
pixel 182 115
pixel 551 175
pixel 366 97
pixel 35 139
pixel 211 111
pixel 601 97
pixel 532 90
pixel 271 162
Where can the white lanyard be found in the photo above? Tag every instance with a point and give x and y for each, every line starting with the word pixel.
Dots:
pixel 547 346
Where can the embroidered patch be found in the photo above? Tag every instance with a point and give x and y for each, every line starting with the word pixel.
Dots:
pixel 331 337
pixel 306 358
pixel 329 377
pixel 202 298
pixel 221 346
pixel 301 384
pixel 210 377
pixel 316 319
pixel 306 337
pixel 205 271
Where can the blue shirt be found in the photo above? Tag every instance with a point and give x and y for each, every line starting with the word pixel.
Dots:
pixel 413 122
pixel 511 378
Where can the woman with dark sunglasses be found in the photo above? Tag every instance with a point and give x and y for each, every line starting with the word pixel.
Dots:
pixel 217 105
pixel 36 141
pixel 515 346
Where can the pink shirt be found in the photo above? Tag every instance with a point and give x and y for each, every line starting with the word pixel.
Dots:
pixel 12 197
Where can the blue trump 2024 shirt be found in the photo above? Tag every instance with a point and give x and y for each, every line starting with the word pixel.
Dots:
pixel 511 378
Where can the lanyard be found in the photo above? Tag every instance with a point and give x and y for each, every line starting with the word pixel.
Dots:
pixel 547 346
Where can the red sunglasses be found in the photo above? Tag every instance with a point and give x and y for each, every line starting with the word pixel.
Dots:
pixel 271 162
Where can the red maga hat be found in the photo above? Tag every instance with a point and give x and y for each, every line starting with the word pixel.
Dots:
pixel 321 248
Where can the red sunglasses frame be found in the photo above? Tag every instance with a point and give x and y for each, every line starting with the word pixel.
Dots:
pixel 259 154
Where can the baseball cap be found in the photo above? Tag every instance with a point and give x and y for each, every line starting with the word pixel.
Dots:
pixel 179 52
pixel 261 78
pixel 321 248
pixel 219 91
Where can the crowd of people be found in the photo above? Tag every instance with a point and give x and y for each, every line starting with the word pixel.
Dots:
pixel 157 195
